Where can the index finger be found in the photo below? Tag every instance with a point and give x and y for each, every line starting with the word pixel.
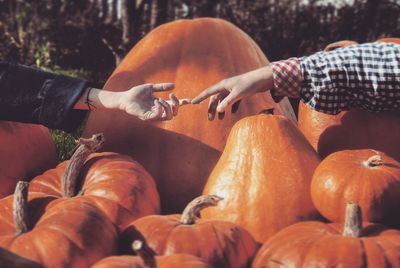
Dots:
pixel 163 87
pixel 208 92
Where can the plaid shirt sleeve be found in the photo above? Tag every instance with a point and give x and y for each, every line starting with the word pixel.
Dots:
pixel 361 76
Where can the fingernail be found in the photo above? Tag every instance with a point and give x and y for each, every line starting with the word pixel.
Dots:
pixel 221 115
pixel 211 116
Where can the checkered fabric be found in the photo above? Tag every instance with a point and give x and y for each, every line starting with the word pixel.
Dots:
pixel 360 76
pixel 287 77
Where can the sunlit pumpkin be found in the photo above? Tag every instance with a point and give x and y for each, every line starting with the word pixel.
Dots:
pixel 367 177
pixel 317 244
pixel 219 243
pixel 194 54
pixel 115 183
pixel 264 176
pixel 70 233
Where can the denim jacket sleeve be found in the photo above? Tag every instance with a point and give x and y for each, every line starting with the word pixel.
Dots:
pixel 33 96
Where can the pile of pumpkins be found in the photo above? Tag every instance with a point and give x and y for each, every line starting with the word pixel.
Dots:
pixel 253 189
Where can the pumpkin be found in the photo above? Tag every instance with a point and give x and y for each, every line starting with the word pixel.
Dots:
pixel 367 177
pixel 354 129
pixel 389 40
pixel 54 232
pixel 342 43
pixel 194 54
pixel 264 176
pixel 26 150
pixel 219 243
pixel 147 259
pixel 115 183
pixel 317 244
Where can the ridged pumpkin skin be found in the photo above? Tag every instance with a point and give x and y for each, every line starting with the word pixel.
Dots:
pixel 115 183
pixel 354 175
pixel 222 244
pixel 194 54
pixel 26 150
pixel 173 261
pixel 354 129
pixel 264 176
pixel 70 233
pixel 316 244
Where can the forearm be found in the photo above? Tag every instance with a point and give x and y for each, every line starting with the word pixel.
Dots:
pixel 94 98
pixel 365 76
pixel 34 96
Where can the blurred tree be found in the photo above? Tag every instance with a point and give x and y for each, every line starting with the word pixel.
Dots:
pixel 94 35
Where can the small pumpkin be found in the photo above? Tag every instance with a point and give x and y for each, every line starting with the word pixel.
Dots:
pixel 115 183
pixel 264 176
pixel 317 244
pixel 219 243
pixel 54 232
pixel 146 259
pixel 367 177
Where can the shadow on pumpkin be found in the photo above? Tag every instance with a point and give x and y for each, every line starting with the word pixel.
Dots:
pixel 9 259
pixel 358 129
pixel 179 164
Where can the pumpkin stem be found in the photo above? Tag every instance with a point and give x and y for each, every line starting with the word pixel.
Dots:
pixel 20 207
pixel 70 177
pixel 196 205
pixel 374 161
pixel 145 253
pixel 353 221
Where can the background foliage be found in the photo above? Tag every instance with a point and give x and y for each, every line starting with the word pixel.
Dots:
pixel 88 38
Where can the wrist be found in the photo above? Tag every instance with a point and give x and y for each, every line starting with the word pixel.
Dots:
pixel 265 78
pixel 109 99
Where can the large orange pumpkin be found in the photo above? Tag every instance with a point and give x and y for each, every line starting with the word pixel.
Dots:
pixel 264 176
pixel 219 243
pixel 115 183
pixel 193 54
pixel 317 244
pixel 26 150
pixel 367 177
pixel 354 129
pixel 54 232
pixel 147 259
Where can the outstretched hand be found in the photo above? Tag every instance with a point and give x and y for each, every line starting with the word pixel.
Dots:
pixel 231 90
pixel 139 101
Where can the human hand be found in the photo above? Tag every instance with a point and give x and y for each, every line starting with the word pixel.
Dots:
pixel 231 90
pixel 139 101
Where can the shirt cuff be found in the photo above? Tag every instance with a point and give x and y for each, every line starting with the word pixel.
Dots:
pixel 59 97
pixel 287 79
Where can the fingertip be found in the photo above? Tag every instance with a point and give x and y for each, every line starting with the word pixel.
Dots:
pixel 185 101
pixel 221 108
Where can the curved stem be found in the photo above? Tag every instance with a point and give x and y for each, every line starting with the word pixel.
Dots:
pixel 70 177
pixel 353 221
pixel 20 207
pixel 193 208
pixel 145 253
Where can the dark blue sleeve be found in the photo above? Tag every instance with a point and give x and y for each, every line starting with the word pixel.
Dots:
pixel 33 96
